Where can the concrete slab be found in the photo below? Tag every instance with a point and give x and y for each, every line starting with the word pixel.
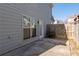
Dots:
pixel 44 47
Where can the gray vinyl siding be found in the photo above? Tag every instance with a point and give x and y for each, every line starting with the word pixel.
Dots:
pixel 40 11
pixel 11 23
pixel 10 28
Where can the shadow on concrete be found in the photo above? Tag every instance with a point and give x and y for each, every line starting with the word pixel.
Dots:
pixel 59 37
pixel 36 48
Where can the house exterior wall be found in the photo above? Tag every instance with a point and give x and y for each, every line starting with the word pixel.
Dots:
pixel 11 34
pixel 40 11
pixel 11 23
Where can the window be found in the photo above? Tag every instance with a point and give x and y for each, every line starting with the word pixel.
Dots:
pixel 26 27
pixel 29 29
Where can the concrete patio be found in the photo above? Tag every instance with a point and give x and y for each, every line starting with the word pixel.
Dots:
pixel 43 47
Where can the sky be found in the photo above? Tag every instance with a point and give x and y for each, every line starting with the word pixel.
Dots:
pixel 61 11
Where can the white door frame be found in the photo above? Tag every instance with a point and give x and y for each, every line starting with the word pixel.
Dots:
pixel 40 29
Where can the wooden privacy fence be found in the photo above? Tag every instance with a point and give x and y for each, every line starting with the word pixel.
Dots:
pixel 56 31
pixel 29 32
